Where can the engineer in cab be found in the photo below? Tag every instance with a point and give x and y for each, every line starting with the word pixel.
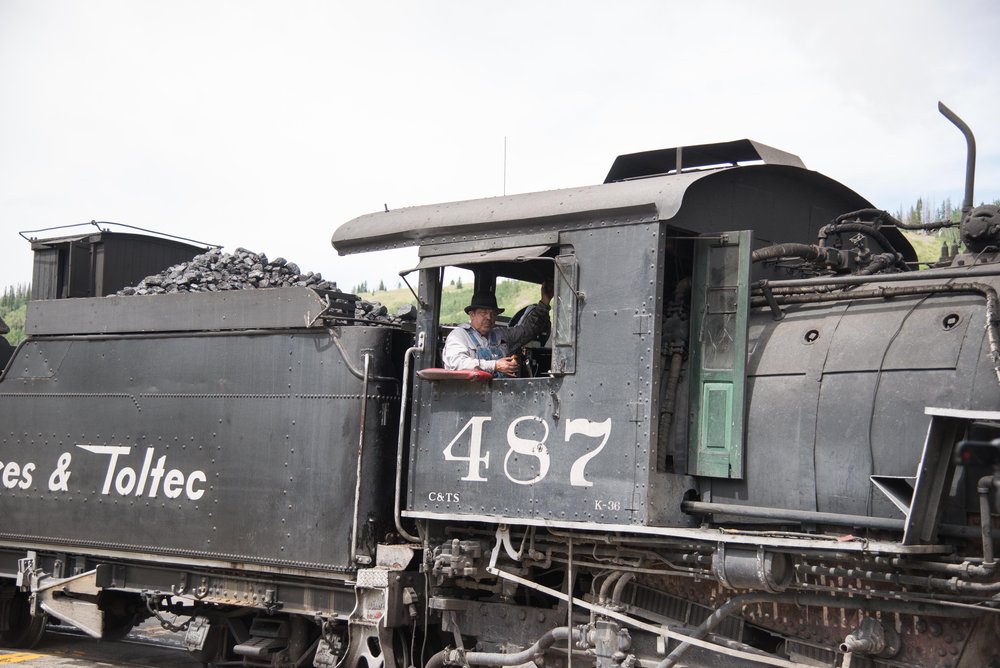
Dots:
pixel 480 344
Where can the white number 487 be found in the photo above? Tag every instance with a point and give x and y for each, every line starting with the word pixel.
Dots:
pixel 537 448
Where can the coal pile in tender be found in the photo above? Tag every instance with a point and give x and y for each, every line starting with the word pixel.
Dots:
pixel 215 271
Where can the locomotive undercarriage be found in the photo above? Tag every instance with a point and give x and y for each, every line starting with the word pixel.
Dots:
pixel 502 596
pixel 824 609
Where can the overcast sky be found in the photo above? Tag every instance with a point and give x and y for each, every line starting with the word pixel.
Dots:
pixel 266 124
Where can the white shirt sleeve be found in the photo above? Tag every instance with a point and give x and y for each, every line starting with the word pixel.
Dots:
pixel 459 354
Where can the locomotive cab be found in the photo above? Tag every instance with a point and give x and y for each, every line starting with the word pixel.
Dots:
pixel 604 370
pixel 651 273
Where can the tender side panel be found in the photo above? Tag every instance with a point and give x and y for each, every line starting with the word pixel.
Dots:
pixel 232 447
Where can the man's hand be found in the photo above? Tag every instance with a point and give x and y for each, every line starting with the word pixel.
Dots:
pixel 507 366
pixel 546 292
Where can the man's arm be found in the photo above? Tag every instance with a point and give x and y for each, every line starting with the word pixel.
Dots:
pixel 535 320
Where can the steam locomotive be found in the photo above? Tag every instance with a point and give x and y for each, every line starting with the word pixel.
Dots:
pixel 758 434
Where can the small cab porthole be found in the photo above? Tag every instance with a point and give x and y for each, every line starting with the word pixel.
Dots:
pixel 950 321
pixel 811 336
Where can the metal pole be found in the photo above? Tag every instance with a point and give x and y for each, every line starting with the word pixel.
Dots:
pixel 569 604
pixel 361 452
pixel 401 438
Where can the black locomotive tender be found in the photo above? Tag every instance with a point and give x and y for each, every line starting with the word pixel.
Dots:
pixel 758 435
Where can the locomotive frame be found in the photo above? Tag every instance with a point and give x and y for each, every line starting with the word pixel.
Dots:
pixel 757 437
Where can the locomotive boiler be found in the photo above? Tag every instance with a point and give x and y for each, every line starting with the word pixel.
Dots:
pixel 759 433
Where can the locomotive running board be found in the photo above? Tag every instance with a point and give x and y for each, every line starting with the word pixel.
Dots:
pixel 846 543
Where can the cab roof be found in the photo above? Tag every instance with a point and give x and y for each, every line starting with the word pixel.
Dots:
pixel 640 188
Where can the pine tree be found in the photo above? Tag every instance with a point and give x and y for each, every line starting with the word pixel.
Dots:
pixel 12 310
pixel 381 286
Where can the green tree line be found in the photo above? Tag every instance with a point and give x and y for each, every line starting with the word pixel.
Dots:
pixel 13 307
pixel 925 210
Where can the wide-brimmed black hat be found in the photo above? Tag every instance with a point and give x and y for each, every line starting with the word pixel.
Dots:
pixel 484 300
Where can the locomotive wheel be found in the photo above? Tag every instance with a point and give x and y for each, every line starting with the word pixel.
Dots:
pixel 18 628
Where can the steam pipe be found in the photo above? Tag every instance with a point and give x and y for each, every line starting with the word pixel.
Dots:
pixel 457 657
pixel 880 262
pixel 984 487
pixel 884 217
pixel 804 251
pixel 867 641
pixel 670 396
pixel 616 595
pixel 814 517
pixel 784 515
pixel 602 595
pixel 970 160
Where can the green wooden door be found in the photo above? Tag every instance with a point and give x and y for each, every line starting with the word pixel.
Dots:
pixel 719 307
